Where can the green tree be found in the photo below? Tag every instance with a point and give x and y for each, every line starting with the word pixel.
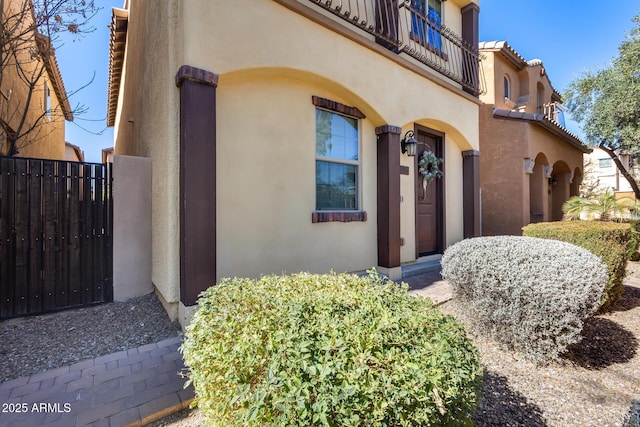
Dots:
pixel 30 31
pixel 607 104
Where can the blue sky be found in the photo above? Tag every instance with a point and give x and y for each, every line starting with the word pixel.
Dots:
pixel 569 36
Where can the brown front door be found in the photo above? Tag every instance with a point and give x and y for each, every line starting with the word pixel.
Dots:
pixel 429 201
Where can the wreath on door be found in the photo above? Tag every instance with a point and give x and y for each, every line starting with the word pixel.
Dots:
pixel 429 168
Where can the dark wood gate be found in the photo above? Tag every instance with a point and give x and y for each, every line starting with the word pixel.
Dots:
pixel 55 235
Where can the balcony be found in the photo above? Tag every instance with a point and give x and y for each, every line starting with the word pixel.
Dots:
pixel 403 27
pixel 554 111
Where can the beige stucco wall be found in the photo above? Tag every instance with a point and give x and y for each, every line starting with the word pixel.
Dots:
pixel 147 125
pixel 270 62
pixel 131 227
pixel 607 178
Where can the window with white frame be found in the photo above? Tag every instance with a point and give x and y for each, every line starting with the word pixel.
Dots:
pixel 605 163
pixel 337 161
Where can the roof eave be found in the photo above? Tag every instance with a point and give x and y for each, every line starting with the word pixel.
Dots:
pixel 544 122
pixel 117 44
pixel 53 70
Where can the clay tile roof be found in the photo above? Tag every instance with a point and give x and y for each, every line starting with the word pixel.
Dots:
pixel 507 51
pixel 51 64
pixel 516 59
pixel 119 23
pixel 544 122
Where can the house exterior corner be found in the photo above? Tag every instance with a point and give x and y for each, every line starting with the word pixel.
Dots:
pixel 280 152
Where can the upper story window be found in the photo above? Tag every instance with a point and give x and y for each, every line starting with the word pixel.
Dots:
pixel 605 163
pixel 337 161
pixel 426 21
pixel 47 100
pixel 540 98
pixel 507 87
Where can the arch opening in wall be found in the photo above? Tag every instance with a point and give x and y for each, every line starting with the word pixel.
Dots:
pixel 538 211
pixel 559 187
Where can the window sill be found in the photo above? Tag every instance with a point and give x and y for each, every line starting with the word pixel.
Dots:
pixel 338 216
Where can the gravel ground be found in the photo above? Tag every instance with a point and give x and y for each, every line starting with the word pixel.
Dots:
pixel 595 385
pixel 29 345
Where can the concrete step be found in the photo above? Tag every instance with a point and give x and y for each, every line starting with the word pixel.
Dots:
pixel 415 269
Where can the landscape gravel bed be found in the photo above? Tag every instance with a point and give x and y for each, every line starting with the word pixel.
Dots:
pixel 29 345
pixel 593 386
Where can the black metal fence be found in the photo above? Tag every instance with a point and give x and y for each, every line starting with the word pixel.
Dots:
pixel 56 241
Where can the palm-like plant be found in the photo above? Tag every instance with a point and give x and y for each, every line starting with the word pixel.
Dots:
pixel 606 206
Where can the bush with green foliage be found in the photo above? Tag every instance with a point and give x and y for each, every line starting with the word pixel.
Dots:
pixel 611 241
pixel 328 350
pixel 531 294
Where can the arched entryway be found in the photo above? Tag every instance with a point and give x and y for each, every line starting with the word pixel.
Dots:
pixel 574 187
pixel 559 183
pixel 538 190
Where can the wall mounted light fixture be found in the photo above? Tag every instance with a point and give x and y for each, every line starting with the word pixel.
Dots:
pixel 409 143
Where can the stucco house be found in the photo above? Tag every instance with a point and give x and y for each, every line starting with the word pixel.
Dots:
pixel 43 108
pixel 530 164
pixel 275 130
pixel 602 174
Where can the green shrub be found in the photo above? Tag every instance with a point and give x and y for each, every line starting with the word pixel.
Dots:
pixel 611 241
pixel 531 294
pixel 634 242
pixel 331 350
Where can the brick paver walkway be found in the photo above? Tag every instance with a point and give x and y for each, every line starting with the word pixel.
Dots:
pixel 126 388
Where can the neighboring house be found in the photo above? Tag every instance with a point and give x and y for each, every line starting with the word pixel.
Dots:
pixel 107 155
pixel 530 164
pixel 73 153
pixel 274 128
pixel 48 103
pixel 602 174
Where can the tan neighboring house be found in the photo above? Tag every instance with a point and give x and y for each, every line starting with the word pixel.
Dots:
pixel 601 173
pixel 48 103
pixel 275 131
pixel 530 164
pixel 73 153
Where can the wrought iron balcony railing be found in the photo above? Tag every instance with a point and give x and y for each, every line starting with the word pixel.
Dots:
pixel 405 27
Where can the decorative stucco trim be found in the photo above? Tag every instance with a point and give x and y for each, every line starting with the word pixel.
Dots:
pixel 570 177
pixel 548 169
pixel 388 129
pixel 470 153
pixel 343 216
pixel 188 72
pixel 337 107
pixel 529 164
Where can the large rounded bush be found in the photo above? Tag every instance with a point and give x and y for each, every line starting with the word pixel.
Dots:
pixel 531 294
pixel 339 350
pixel 612 242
